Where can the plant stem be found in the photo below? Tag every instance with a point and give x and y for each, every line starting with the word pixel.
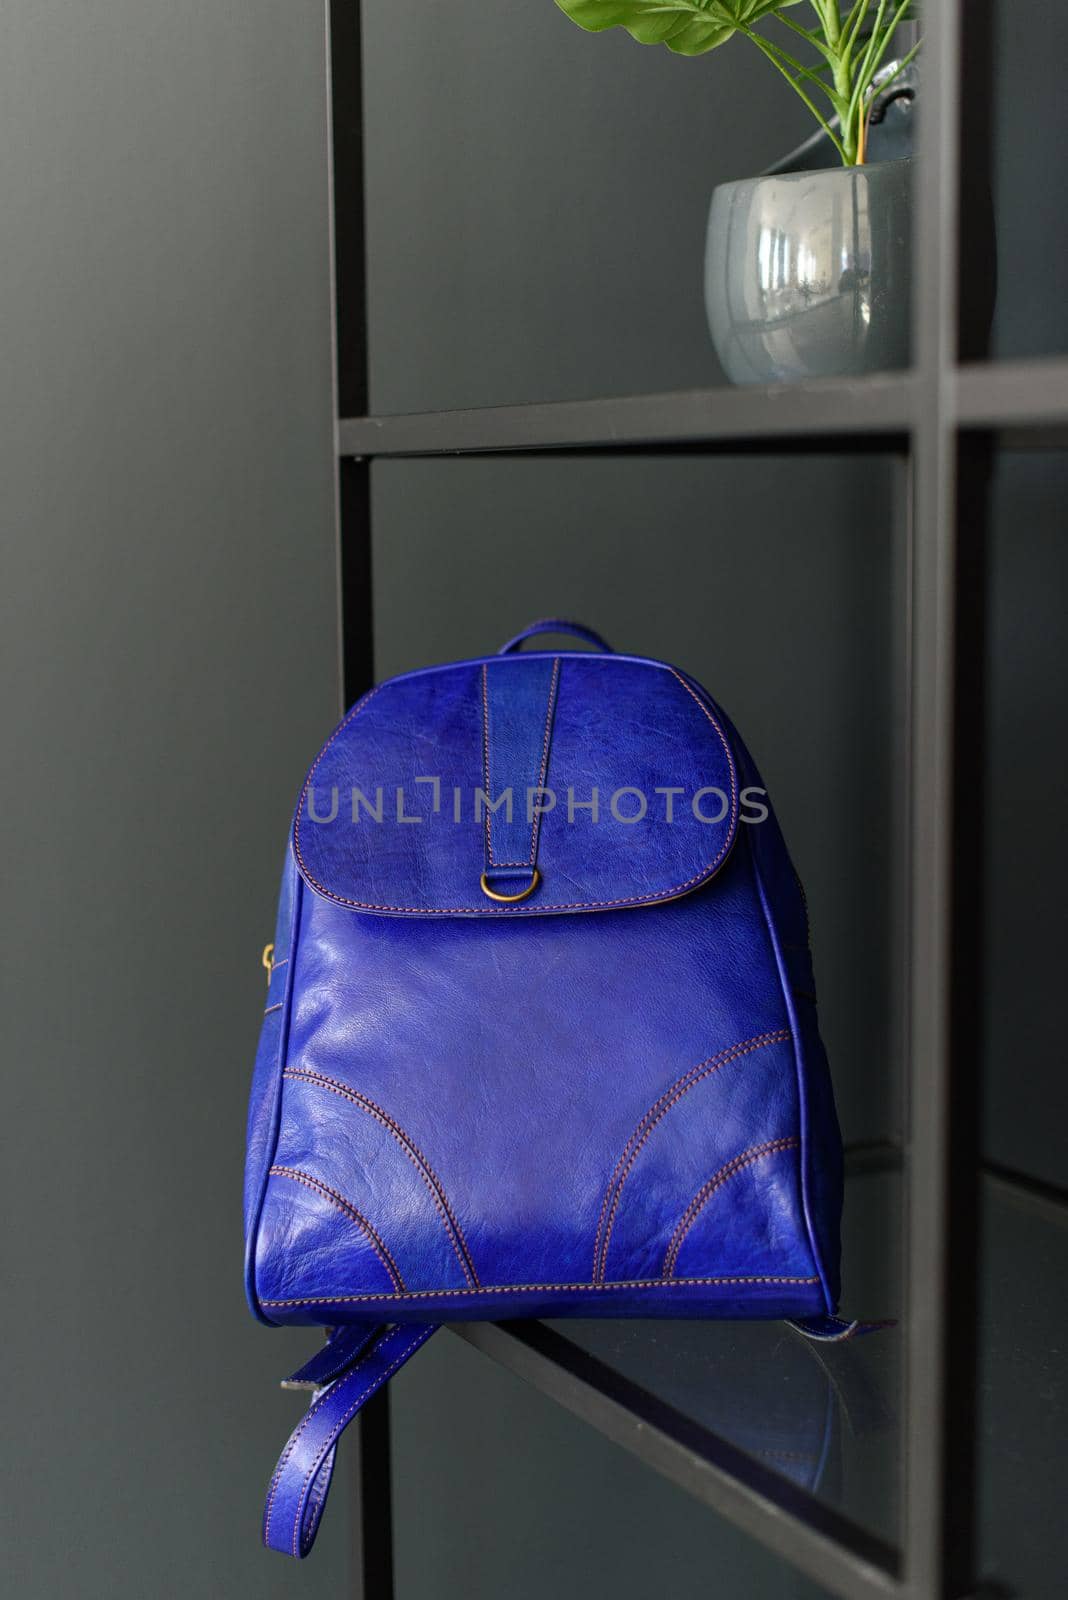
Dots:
pixel 843 83
pixel 832 24
pixel 768 50
pixel 853 64
pixel 791 65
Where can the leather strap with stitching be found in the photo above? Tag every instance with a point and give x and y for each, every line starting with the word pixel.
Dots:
pixel 301 1481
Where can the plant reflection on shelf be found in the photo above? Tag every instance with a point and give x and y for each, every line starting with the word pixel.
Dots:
pixel 807 273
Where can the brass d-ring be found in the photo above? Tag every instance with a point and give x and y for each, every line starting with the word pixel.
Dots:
pixel 510 899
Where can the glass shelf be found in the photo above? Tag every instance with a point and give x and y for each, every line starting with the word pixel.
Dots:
pixel 826 1419
pixel 824 1416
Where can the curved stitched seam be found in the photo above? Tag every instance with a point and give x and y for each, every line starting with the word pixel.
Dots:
pixel 657 1112
pixel 537 910
pixel 719 1179
pixel 324 1189
pixel 710 1063
pixel 689 1082
pixel 415 1155
pixel 532 1288
pixel 541 909
pixel 422 1165
pixel 408 1350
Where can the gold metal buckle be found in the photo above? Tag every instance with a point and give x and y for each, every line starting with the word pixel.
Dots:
pixel 267 961
pixel 510 899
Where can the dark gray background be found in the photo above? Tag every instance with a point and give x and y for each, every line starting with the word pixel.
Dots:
pixel 538 196
pixel 169 662
pixel 1026 803
pixel 537 208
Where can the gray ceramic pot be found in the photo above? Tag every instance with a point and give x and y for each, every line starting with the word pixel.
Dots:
pixel 807 274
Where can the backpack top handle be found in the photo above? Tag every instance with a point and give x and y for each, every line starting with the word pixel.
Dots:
pixel 555 625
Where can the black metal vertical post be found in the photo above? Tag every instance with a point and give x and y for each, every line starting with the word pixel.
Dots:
pixel 347 197
pixel 354 578
pixel 946 627
pixel 372 1519
pixel 349 284
pixel 371 1503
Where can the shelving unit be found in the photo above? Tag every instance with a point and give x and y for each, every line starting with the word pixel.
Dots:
pixel 939 418
pixel 879 411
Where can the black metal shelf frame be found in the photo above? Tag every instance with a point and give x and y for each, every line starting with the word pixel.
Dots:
pixel 942 419
pixel 876 413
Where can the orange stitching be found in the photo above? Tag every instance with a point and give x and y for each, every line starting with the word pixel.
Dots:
pixel 541 908
pixel 726 747
pixel 392 1270
pixel 550 707
pixel 486 760
pixel 295 1439
pixel 310 1519
pixel 414 1154
pixel 409 1349
pixel 535 821
pixel 276 1480
pixel 535 910
pixel 704 1194
pixel 530 1288
pixel 658 1110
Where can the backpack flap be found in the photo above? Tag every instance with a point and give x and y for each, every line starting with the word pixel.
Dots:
pixel 521 785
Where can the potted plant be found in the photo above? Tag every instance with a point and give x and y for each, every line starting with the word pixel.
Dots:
pixel 807 273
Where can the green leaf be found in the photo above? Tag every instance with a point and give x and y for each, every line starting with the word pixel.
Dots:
pixel 688 27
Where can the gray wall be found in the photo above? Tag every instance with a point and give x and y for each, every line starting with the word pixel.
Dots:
pixel 169 661
pixel 1030 124
pixel 537 201
pixel 1026 797
pixel 538 196
pixel 537 206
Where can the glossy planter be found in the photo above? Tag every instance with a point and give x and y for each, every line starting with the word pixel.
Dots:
pixel 808 274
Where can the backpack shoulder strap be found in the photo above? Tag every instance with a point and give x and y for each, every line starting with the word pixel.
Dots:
pixel 367 1356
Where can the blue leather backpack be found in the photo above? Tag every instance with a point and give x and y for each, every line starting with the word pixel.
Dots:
pixel 540 1036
